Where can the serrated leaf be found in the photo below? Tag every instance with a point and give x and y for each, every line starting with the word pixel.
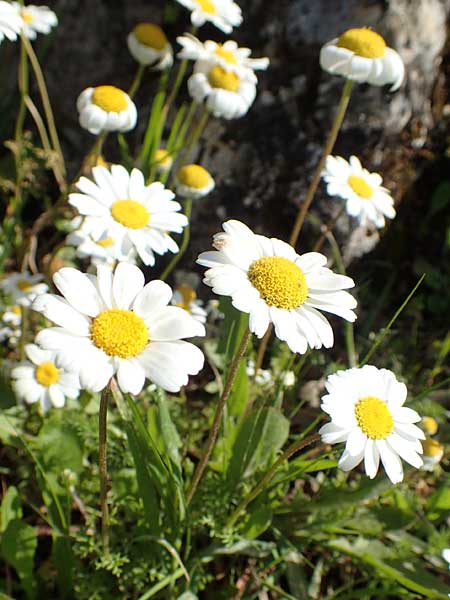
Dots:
pixel 18 546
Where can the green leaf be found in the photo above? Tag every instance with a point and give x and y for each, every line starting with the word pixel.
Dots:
pixel 438 503
pixel 11 421
pixel 258 521
pixel 18 546
pixel 163 431
pixel 440 199
pixel 63 559
pixel 59 446
pixel 239 392
pixel 10 508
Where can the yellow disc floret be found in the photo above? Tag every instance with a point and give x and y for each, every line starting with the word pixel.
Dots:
pixel 163 158
pixel 26 16
pixel 363 42
pixel 110 98
pixel 16 310
pixel 374 417
pixel 119 333
pixel 360 186
pixel 280 282
pixel 150 35
pixel 207 6
pixel 130 213
pixel 194 176
pixel 105 243
pixel 429 425
pixel 225 80
pixel 227 55
pixel 432 448
pixel 23 285
pixel 47 374
pixel 187 294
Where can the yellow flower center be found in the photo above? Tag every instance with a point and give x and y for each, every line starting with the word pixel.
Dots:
pixel 194 176
pixel 360 186
pixel 163 158
pixel 227 55
pixel 47 374
pixel 119 333
pixel 130 213
pixel 110 98
pixel 150 35
pixel 225 80
pixel 16 310
pixel 188 295
pixel 429 425
pixel 106 243
pixel 432 448
pixel 363 42
pixel 26 16
pixel 279 281
pixel 207 6
pixel 23 285
pixel 374 417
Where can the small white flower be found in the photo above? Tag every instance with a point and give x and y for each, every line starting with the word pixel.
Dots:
pixel 185 297
pixel 263 377
pixel 121 207
pixel 367 412
pixel 106 108
pixel 433 452
pixel 163 160
pixel 362 55
pixel 367 199
pixel 35 19
pixel 23 287
pixel 44 380
pixel 13 316
pixel 193 181
pixel 266 278
pixel 9 335
pixel 224 14
pixel 429 425
pixel 225 93
pixel 149 45
pixel 289 379
pixel 11 22
pixel 228 56
pixel 100 251
pixel 113 324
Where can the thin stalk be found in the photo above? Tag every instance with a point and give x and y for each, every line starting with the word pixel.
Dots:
pixel 293 449
pixel 201 466
pixel 195 135
pixel 328 228
pixel 136 81
pixel 155 124
pixel 184 242
pixel 103 466
pixel 343 103
pixel 262 349
pixel 176 86
pixel 22 78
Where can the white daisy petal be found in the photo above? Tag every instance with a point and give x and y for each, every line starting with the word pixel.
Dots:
pixel 128 281
pixel 130 376
pixel 78 291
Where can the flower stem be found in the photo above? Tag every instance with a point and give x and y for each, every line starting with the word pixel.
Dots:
pixel 293 449
pixel 102 463
pixel 184 242
pixel 23 90
pixel 218 416
pixel 343 103
pixel 136 81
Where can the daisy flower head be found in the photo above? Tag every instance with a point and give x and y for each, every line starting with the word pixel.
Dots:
pixel 429 425
pixel 23 287
pixel 225 93
pixel 101 250
pixel 224 14
pixel 363 56
pixel 11 22
pixel 366 409
pixel 367 199
pixel 193 181
pixel 13 316
pixel 185 297
pixel 228 56
pixel 114 324
pixel 163 160
pixel 433 452
pixel 119 206
pixel 149 45
pixel 35 19
pixel 267 279
pixel 43 380
pixel 106 108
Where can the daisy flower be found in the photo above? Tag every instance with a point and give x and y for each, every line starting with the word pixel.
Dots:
pixel 193 181
pixel 163 160
pixel 363 56
pixel 149 45
pixel 11 22
pixel 106 108
pixel 185 297
pixel 102 250
pixel 433 452
pixel 224 14
pixel 23 287
pixel 228 56
pixel 266 278
pixel 121 207
pixel 13 316
pixel 367 412
pixel 367 199
pixel 43 379
pixel 429 425
pixel 35 19
pixel 113 324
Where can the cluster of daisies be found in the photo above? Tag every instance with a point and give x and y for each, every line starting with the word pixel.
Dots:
pixel 110 323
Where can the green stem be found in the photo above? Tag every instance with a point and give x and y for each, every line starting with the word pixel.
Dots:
pixel 184 242
pixel 218 415
pixel 343 103
pixel 176 86
pixel 136 81
pixel 103 467
pixel 195 135
pixel 23 90
pixel 293 449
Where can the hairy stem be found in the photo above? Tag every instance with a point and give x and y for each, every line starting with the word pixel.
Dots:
pixel 103 467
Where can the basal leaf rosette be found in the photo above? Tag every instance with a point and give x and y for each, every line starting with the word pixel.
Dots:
pixel 366 409
pixel 113 324
pixel 267 279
